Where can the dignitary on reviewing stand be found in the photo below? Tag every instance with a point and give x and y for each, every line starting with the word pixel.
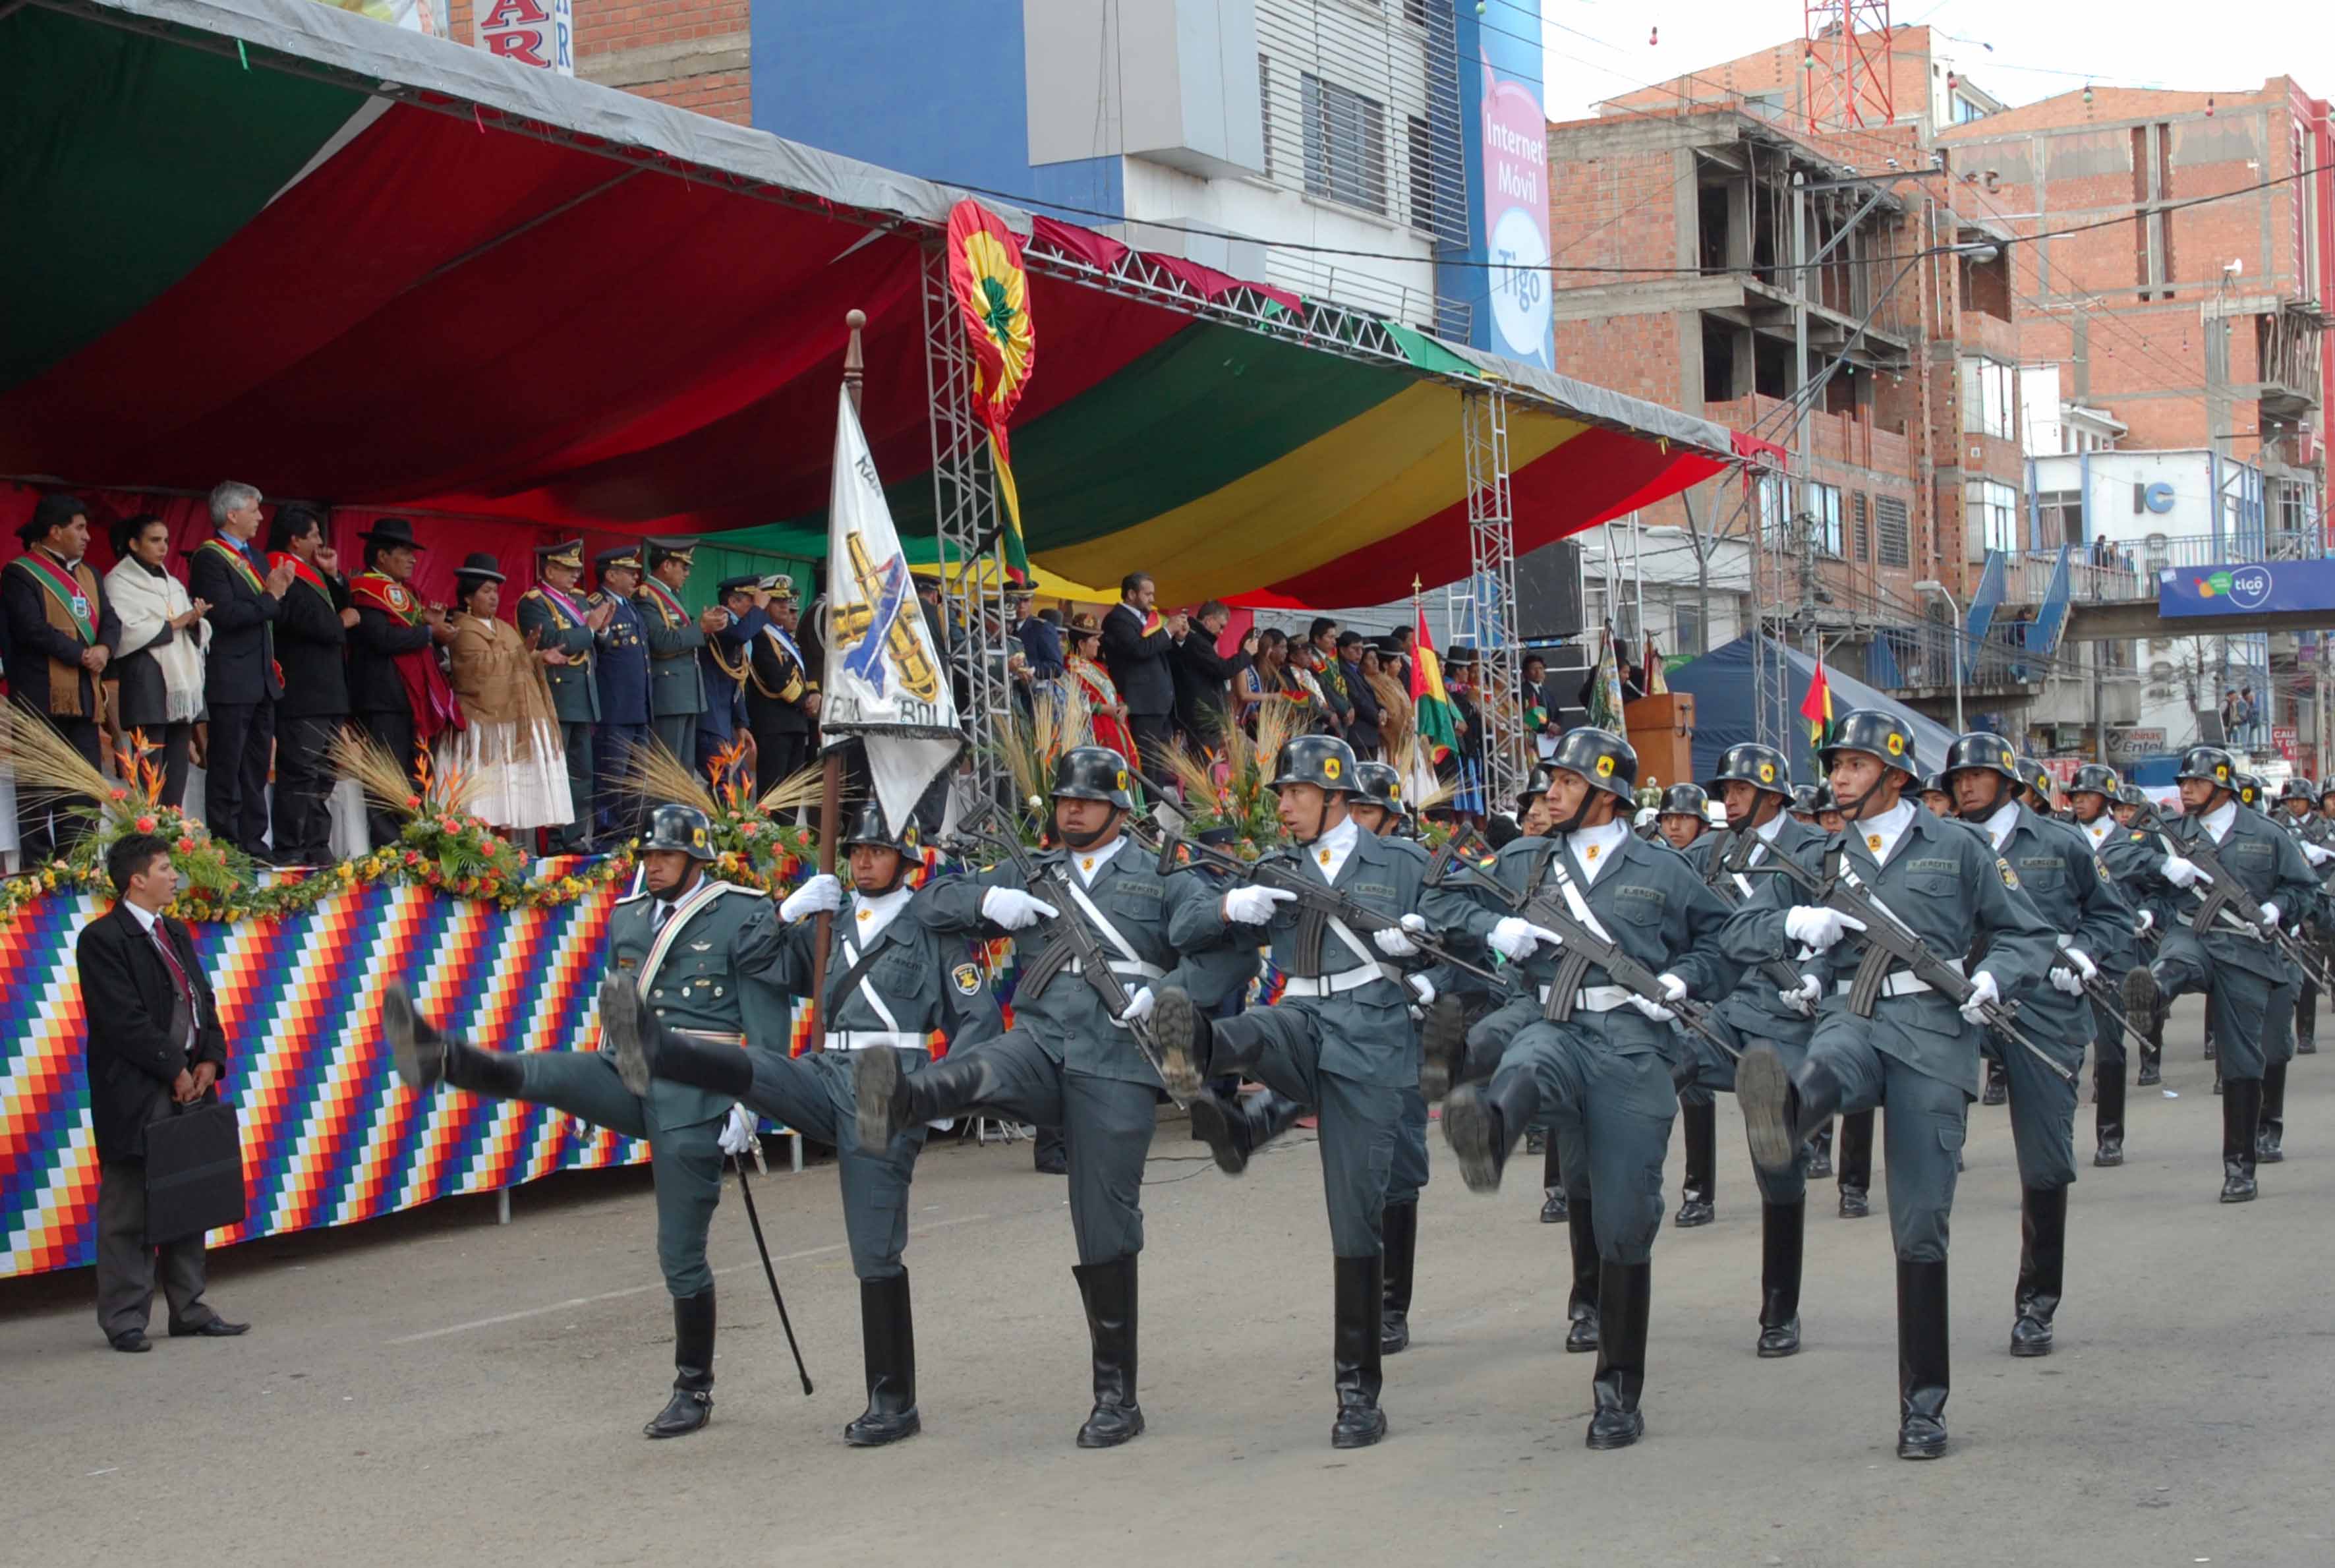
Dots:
pixel 510 741
pixel 552 620
pixel 677 696
pixel 724 661
pixel 312 635
pixel 781 692
pixel 57 633
pixel 623 665
pixel 157 674
pixel 242 676
pixel 398 697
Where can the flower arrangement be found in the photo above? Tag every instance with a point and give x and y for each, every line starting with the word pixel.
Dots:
pixel 1229 785
pixel 752 847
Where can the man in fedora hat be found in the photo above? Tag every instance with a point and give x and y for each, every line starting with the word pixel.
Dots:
pixel 781 697
pixel 56 634
pixel 622 671
pixel 397 694
pixel 552 616
pixel 676 685
pixel 241 677
pixel 312 637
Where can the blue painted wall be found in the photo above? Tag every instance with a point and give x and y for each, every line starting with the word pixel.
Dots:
pixel 930 90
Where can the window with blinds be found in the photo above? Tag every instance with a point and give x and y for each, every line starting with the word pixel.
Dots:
pixel 1895 537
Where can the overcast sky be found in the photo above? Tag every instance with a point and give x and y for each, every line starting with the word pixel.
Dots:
pixel 2040 47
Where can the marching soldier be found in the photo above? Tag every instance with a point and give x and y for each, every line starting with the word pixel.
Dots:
pixel 1684 821
pixel 2060 876
pixel 673 944
pixel 2127 866
pixel 550 613
pixel 2249 984
pixel 893 983
pixel 1936 799
pixel 1754 783
pixel 781 697
pixel 677 696
pixel 622 665
pixel 1067 1061
pixel 1804 804
pixel 1600 1063
pixel 1915 1053
pixel 1340 1039
pixel 2297 813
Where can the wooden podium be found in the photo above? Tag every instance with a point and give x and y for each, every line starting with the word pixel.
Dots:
pixel 1662 731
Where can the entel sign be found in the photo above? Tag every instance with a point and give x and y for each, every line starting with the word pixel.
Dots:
pixel 531 32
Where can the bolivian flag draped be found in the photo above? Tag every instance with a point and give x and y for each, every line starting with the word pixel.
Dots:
pixel 1436 734
pixel 1817 709
pixel 992 292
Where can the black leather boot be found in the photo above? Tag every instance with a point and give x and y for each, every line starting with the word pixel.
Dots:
pixel 1184 1035
pixel 2042 1267
pixel 1855 1165
pixel 1235 1131
pixel 1553 1203
pixel 1354 1352
pixel 1781 1107
pixel 1783 1227
pixel 1623 1298
pixel 2270 1132
pixel 887 1339
pixel 1820 1153
pixel 890 1099
pixel 1580 1306
pixel 425 1057
pixel 2152 1055
pixel 1922 1377
pixel 2108 1113
pixel 1398 1243
pixel 1442 1048
pixel 2242 1101
pixel 1700 1188
pixel 2306 1017
pixel 1108 1292
pixel 646 1049
pixel 1998 1084
pixel 692 1405
pixel 1482 1124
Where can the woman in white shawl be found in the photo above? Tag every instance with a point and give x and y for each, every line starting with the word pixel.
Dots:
pixel 156 677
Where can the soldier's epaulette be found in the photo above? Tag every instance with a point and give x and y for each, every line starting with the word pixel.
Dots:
pixel 532 593
pixel 630 898
pixel 595 597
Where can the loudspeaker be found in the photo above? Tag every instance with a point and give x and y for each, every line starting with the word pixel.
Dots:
pixel 1548 593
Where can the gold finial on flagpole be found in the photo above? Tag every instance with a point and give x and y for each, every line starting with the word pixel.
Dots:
pixel 855 363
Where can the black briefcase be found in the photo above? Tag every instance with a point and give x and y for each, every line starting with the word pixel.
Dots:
pixel 194 1172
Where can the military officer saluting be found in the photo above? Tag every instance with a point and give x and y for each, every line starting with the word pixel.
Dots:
pixel 674 636
pixel 672 942
pixel 1915 1053
pixel 1340 1039
pixel 2059 875
pixel 1067 1061
pixel 2131 868
pixel 1683 819
pixel 621 667
pixel 2249 984
pixel 551 616
pixel 894 982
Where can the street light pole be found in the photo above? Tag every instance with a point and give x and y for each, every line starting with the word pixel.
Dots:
pixel 1930 585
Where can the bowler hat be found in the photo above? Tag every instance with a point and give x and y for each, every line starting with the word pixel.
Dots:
pixel 388 531
pixel 482 564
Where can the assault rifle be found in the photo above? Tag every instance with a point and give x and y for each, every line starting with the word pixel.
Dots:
pixel 2223 891
pixel 1583 948
pixel 1732 858
pixel 1890 942
pixel 1069 938
pixel 1318 903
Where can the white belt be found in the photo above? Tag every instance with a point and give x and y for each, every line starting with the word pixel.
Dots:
pixel 1904 983
pixel 865 1039
pixel 1332 984
pixel 1594 998
pixel 1129 966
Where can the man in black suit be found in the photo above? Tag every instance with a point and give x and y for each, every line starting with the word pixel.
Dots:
pixel 154 1041
pixel 311 636
pixel 56 634
pixel 241 680
pixel 1362 731
pixel 1203 680
pixel 1137 646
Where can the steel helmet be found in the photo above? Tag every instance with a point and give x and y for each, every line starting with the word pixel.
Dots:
pixel 684 828
pixel 1761 767
pixel 2094 779
pixel 1821 800
pixel 2298 789
pixel 1600 756
pixel 1323 761
pixel 1981 750
pixel 1686 801
pixel 2249 790
pixel 1092 773
pixel 1543 775
pixel 868 828
pixel 1379 784
pixel 1804 800
pixel 1877 733
pixel 2210 764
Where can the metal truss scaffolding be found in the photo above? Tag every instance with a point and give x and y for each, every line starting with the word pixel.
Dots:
pixel 1488 609
pixel 970 526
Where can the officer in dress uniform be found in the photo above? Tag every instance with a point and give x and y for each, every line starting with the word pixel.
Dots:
pixel 677 696
pixel 1683 820
pixel 781 697
pixel 2248 983
pixel 2091 794
pixel 2060 876
pixel 1340 1039
pixel 550 613
pixel 1067 1061
pixel 622 666
pixel 675 944
pixel 723 664
pixel 893 983
pixel 1916 1053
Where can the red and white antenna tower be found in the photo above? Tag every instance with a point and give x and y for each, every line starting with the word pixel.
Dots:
pixel 1846 69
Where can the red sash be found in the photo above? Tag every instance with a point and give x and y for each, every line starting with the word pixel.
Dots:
pixel 302 571
pixel 431 700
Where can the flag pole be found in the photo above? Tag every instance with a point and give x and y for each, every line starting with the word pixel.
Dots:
pixel 830 775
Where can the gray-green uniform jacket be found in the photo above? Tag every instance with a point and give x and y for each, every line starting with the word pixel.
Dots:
pixel 924 976
pixel 676 687
pixel 2271 867
pixel 2059 874
pixel 575 687
pixel 699 985
pixel 1067 1019
pixel 1756 1008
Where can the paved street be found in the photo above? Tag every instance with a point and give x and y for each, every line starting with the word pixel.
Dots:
pixel 434 1388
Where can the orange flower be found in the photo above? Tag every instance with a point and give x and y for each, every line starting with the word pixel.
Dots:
pixel 145 825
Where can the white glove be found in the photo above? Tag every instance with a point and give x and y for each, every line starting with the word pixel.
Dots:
pixel 1514 937
pixel 2270 918
pixel 822 895
pixel 1802 998
pixel 2145 922
pixel 1818 929
pixel 2179 872
pixel 1423 988
pixel 1394 942
pixel 2318 857
pixel 1014 909
pixel 738 1132
pixel 1984 992
pixel 1254 905
pixel 2066 981
pixel 1673 990
pixel 1139 1006
pixel 2080 962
